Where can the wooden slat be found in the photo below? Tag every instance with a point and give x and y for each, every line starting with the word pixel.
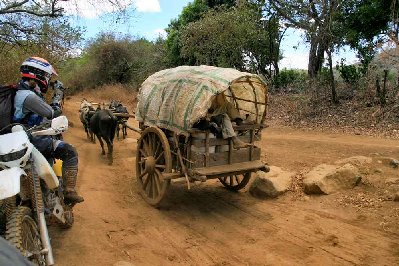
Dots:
pixel 215 142
pixel 222 158
pixel 123 115
pixel 136 129
pixel 232 168
pixel 207 149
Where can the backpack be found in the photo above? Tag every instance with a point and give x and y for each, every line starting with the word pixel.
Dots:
pixel 7 94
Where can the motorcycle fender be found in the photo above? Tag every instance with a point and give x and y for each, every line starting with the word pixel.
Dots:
pixel 10 182
pixel 44 170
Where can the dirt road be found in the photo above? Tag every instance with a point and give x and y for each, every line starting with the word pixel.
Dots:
pixel 211 226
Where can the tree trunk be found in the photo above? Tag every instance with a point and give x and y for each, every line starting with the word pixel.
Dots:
pixel 334 97
pixel 316 56
pixel 384 88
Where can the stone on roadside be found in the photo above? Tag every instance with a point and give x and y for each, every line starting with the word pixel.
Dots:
pixel 355 160
pixel 271 184
pixel 328 179
pixel 396 197
pixel 394 163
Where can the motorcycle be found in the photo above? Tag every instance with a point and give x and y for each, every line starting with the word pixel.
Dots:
pixel 30 192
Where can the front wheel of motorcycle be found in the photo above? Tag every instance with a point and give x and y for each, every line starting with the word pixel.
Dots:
pixel 22 232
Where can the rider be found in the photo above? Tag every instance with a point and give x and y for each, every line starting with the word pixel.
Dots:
pixel 31 109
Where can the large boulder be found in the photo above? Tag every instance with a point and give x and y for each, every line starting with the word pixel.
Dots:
pixel 271 184
pixel 328 179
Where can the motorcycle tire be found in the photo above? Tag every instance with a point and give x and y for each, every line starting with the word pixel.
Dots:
pixel 22 232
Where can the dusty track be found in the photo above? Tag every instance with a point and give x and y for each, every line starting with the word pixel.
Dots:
pixel 211 226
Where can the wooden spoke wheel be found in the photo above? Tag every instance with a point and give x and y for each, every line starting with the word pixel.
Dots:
pixel 235 182
pixel 153 159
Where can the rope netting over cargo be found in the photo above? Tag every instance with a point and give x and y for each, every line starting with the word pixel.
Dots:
pixel 177 98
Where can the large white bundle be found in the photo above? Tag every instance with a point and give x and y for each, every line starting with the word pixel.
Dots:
pixel 176 98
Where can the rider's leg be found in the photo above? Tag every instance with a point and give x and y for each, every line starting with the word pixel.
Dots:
pixel 69 156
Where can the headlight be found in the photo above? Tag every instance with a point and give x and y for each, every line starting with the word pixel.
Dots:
pixel 13 156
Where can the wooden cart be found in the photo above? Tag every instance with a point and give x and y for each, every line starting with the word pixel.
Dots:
pixel 170 102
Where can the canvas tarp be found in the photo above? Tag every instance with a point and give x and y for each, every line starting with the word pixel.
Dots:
pixel 176 98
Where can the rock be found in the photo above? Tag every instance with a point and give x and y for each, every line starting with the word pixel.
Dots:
pixel 388 161
pixel 328 179
pixel 271 184
pixel 394 163
pixel 355 160
pixel 396 197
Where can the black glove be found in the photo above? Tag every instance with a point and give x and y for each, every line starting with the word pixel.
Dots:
pixel 57 110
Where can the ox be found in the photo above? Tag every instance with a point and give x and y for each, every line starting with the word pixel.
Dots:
pixel 117 107
pixel 86 112
pixel 103 125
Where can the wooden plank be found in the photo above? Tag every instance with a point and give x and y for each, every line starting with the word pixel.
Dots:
pixel 123 115
pixel 136 129
pixel 207 149
pixel 230 151
pixel 228 169
pixel 199 143
pixel 222 158
pixel 251 148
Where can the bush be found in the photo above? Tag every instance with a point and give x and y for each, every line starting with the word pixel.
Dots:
pixel 351 74
pixel 109 59
pixel 290 80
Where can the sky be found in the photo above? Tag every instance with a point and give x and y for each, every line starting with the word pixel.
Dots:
pixel 149 18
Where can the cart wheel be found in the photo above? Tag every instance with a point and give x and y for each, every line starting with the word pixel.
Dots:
pixel 235 182
pixel 153 159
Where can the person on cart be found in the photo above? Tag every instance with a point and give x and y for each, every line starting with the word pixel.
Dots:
pixel 222 112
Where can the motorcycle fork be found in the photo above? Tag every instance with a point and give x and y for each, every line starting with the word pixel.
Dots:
pixel 39 207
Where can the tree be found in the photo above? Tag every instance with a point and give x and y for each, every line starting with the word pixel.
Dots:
pixel 232 37
pixel 315 18
pixel 21 19
pixel 362 25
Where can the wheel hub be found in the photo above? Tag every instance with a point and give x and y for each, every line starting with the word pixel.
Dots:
pixel 150 164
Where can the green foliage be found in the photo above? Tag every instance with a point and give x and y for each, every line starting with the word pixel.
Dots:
pixel 290 78
pixel 360 25
pixel 192 12
pixel 230 37
pixel 109 59
pixel 54 41
pixel 351 74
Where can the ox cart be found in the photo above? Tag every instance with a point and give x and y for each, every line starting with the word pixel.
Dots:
pixel 170 102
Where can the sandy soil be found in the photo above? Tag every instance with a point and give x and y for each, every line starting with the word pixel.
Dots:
pixel 209 225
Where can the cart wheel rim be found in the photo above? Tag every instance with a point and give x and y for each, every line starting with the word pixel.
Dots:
pixel 153 159
pixel 235 182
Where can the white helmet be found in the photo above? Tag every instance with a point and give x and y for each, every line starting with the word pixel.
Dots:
pixel 39 69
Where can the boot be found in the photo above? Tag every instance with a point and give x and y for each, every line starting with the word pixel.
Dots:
pixel 239 144
pixel 70 195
